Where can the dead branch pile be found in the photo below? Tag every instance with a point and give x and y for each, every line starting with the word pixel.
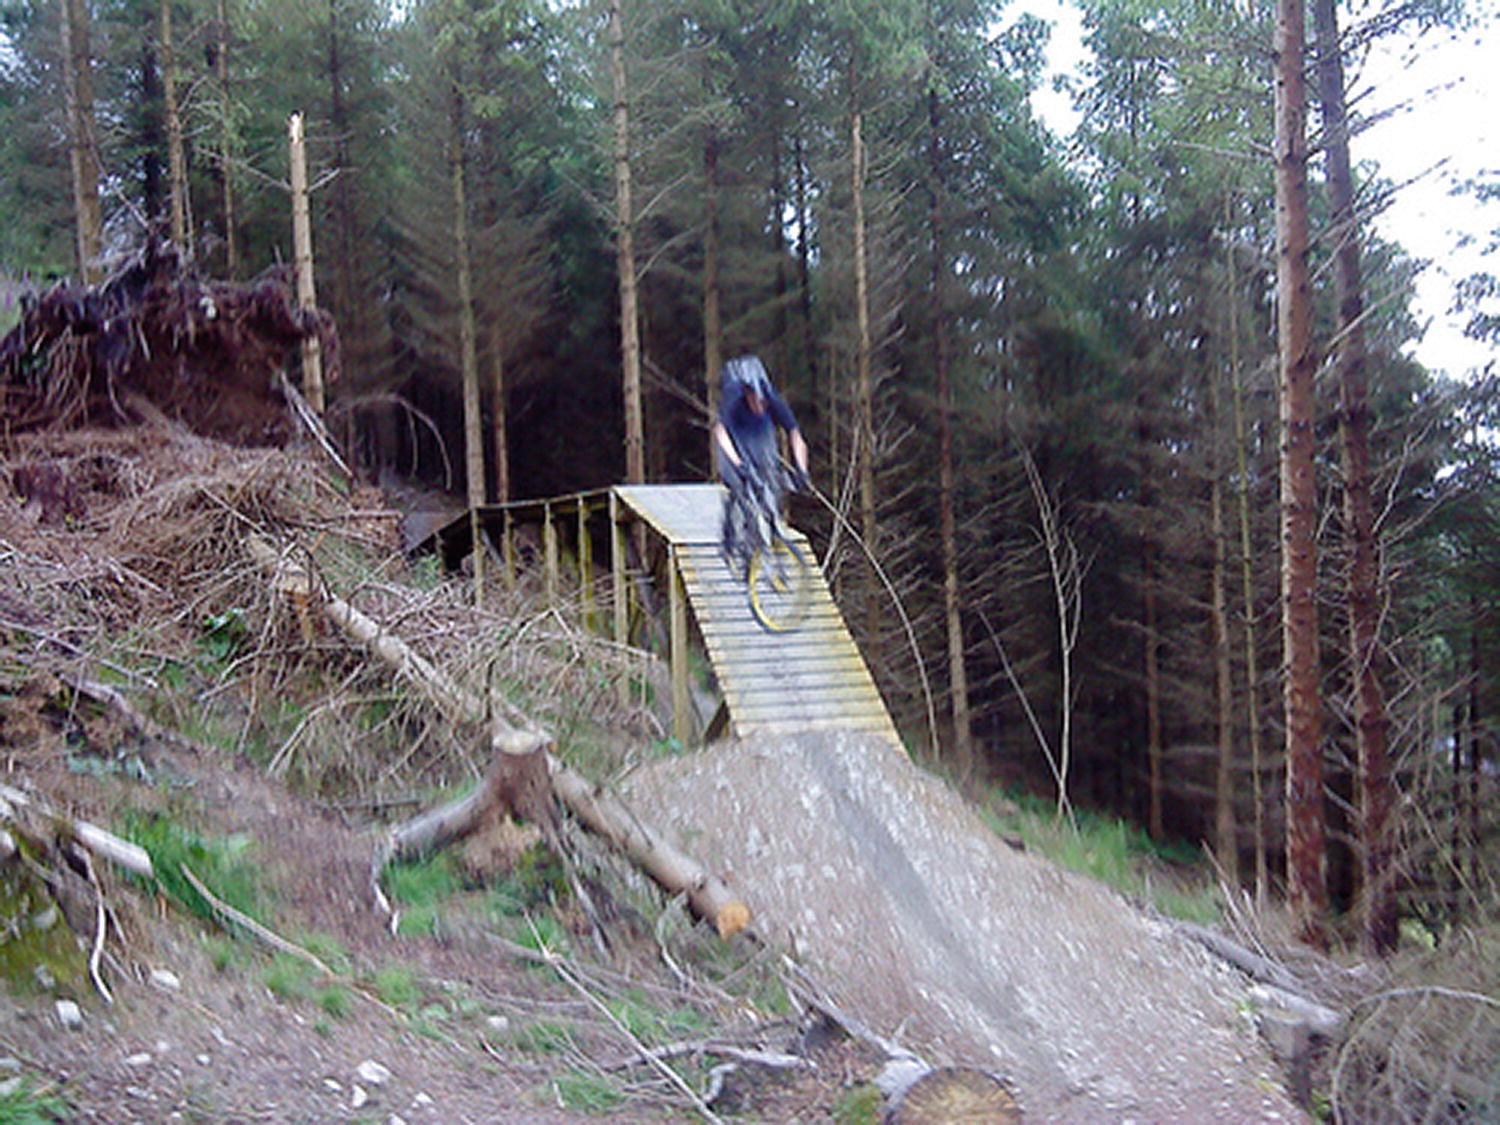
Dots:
pixel 205 353
pixel 124 525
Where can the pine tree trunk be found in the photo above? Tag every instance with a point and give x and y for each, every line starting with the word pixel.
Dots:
pixel 713 331
pixel 176 155
pixel 1306 850
pixel 346 251
pixel 467 351
pixel 1156 817
pixel 1226 824
pixel 864 390
pixel 1247 588
pixel 499 432
pixel 83 146
pixel 226 143
pixel 630 341
pixel 958 676
pixel 1363 579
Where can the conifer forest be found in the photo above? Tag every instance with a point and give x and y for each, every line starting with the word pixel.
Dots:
pixel 1126 481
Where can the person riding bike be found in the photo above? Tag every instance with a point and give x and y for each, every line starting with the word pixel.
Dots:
pixel 744 436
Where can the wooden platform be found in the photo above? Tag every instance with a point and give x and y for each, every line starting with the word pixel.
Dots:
pixel 811 678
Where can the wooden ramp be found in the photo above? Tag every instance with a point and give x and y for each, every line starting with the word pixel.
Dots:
pixel 810 678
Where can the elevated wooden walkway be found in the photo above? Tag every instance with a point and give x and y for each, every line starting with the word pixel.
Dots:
pixel 809 678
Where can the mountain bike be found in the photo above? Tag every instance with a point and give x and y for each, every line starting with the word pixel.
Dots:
pixel 776 572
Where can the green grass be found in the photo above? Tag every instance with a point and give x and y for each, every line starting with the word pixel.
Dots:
pixel 860 1105
pixel 23 1102
pixel 543 1038
pixel 397 987
pixel 224 865
pixel 587 1093
pixel 1172 877
pixel 542 933
pixel 650 1024
pixel 423 882
pixel 336 1000
pixel 289 978
pixel 420 887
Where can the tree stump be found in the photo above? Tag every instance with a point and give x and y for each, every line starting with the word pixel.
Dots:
pixel 953 1095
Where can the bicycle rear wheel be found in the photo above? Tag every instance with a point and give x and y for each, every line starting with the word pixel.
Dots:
pixel 779 585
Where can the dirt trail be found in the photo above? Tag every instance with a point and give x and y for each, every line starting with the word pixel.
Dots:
pixel 938 933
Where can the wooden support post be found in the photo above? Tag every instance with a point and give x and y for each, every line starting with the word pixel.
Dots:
pixel 508 547
pixel 619 587
pixel 549 553
pixel 681 699
pixel 585 564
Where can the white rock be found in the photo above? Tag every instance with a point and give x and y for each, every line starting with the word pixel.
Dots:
pixel 69 1014
pixel 358 1098
pixel 372 1072
pixel 422 1101
pixel 395 1119
pixel 205 1060
pixel 166 980
pixel 333 1086
pixel 498 1023
pixel 140 1058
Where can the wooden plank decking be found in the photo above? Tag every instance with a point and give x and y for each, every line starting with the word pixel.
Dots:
pixel 810 678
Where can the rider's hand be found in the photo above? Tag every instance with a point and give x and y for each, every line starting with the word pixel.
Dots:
pixel 801 482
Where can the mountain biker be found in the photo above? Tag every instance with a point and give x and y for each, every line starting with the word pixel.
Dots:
pixel 744 435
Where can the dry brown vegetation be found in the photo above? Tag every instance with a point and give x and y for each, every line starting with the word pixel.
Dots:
pixel 247 720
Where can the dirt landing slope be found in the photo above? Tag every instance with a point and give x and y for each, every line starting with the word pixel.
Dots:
pixel 939 934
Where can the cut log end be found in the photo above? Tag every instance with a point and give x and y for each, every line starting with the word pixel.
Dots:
pixel 733 917
pixel 952 1095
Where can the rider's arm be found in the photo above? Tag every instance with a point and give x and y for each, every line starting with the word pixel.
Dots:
pixel 726 444
pixel 799 448
pixel 782 415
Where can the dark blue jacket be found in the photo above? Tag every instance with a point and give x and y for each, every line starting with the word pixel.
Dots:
pixel 754 435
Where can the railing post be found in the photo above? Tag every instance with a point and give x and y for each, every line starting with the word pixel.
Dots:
pixel 681 699
pixel 508 547
pixel 585 564
pixel 549 554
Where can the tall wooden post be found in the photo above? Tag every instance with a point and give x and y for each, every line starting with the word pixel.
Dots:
pixel 302 257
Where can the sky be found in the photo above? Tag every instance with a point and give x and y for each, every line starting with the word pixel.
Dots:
pixel 1437 100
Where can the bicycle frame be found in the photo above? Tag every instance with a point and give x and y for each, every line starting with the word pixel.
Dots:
pixel 773 568
pixel 756 517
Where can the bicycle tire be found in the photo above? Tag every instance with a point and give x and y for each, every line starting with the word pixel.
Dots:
pixel 779 585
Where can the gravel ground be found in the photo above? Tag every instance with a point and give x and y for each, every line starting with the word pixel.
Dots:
pixel 941 935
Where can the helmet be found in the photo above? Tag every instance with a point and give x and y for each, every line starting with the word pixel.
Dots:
pixel 748 374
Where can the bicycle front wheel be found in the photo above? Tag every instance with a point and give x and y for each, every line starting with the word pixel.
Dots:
pixel 780 585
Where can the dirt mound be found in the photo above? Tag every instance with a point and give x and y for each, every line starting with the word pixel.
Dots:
pixel 939 934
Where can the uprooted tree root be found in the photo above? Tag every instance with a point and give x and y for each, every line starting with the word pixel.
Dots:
pixel 154 337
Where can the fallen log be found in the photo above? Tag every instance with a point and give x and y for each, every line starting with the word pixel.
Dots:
pixel 608 816
pixel 92 838
pixel 523 769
